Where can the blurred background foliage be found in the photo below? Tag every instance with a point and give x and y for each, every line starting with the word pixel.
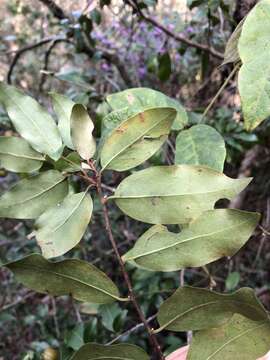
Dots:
pixel 86 50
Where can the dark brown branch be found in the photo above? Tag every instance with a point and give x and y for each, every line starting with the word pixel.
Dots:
pixel 132 296
pixel 177 37
pixel 47 59
pixel 55 9
pixel 21 51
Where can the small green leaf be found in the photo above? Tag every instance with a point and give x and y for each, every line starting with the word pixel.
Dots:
pixel 231 53
pixel 31 121
pixel 109 312
pixel 200 145
pixel 30 197
pixel 214 234
pixel 191 308
pixel 81 132
pixel 74 338
pixel 232 281
pixel 63 107
pixel 174 194
pixel 93 351
pixel 254 75
pixel 141 99
pixel 60 228
pixel 136 139
pixel 240 339
pixel 69 163
pixel 68 277
pixel 18 156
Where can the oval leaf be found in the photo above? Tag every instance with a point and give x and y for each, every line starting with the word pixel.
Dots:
pixel 200 145
pixel 61 227
pixel 93 351
pixel 240 339
pixel 137 139
pixel 18 156
pixel 81 132
pixel 191 308
pixel 141 99
pixel 254 75
pixel 214 234
pixel 31 121
pixel 68 277
pixel 63 107
pixel 174 194
pixel 29 198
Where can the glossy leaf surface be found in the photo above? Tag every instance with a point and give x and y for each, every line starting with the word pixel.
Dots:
pixel 213 235
pixel 191 308
pixel 136 139
pixel 18 156
pixel 31 121
pixel 30 197
pixel 240 339
pixel 93 351
pixel 174 194
pixel 68 277
pixel 63 107
pixel 200 145
pixel 81 132
pixel 254 75
pixel 140 99
pixel 60 228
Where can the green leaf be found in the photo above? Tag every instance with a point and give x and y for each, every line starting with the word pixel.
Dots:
pixel 164 66
pixel 81 132
pixel 231 53
pixel 30 197
pixel 18 156
pixel 136 139
pixel 69 163
pixel 60 228
pixel 93 351
pixel 214 234
pixel 109 312
pixel 140 99
pixel 74 338
pixel 240 339
pixel 63 107
pixel 174 194
pixel 200 145
pixel 254 75
pixel 68 277
pixel 232 281
pixel 191 308
pixel 32 121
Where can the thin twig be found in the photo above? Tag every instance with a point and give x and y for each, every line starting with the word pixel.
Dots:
pixel 21 51
pixel 177 37
pixel 131 330
pixel 220 91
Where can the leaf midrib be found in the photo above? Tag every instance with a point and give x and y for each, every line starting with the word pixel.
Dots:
pixel 31 121
pixel 34 196
pixel 194 308
pixel 234 339
pixel 134 140
pixel 186 240
pixel 22 156
pixel 46 271
pixel 171 195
